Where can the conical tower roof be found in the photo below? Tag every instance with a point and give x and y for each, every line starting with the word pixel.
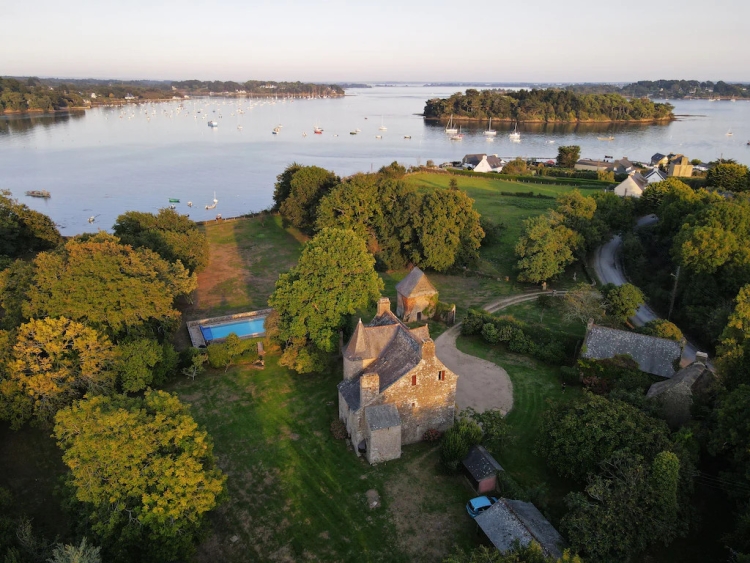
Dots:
pixel 359 345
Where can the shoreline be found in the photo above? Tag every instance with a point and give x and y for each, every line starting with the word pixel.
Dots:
pixel 555 122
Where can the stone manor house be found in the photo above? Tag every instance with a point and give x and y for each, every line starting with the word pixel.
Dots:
pixel 394 388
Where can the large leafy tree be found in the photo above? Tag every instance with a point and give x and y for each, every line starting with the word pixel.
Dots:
pixel 54 362
pixel 729 176
pixel 576 437
pixel 24 230
pixel 622 301
pixel 142 470
pixel 283 186
pixel 308 185
pixel 108 285
pixel 335 277
pixel 567 156
pixel 581 303
pixel 171 235
pixel 545 248
pixel 15 281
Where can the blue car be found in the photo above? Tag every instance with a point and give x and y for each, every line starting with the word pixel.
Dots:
pixel 478 505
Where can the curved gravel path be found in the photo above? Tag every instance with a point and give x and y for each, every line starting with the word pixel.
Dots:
pixel 482 385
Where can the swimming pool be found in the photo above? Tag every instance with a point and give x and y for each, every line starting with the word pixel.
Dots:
pixel 243 327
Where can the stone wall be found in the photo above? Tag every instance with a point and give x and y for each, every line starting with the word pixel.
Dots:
pixel 408 308
pixel 384 444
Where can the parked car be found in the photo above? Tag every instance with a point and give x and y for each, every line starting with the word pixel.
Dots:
pixel 478 505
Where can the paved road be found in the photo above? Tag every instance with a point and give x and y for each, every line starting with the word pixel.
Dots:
pixel 608 267
pixel 482 385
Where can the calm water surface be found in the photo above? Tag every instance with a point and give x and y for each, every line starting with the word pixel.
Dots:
pixel 108 160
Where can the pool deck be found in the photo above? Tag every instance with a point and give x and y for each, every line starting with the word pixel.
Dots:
pixel 194 327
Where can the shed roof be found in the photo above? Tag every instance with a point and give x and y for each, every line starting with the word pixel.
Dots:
pixel 508 521
pixel 382 416
pixel 653 355
pixel 480 464
pixel 686 378
pixel 415 284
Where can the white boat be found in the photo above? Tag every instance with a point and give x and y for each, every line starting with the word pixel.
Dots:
pixel 213 205
pixel 610 138
pixel 382 127
pixel 407 136
pixel 458 136
pixel 729 133
pixel 490 131
pixel 276 131
pixel 515 137
pixel 317 130
pixel 450 129
pixel 213 124
pixel 378 136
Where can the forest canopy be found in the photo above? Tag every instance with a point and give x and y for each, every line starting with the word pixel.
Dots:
pixel 550 105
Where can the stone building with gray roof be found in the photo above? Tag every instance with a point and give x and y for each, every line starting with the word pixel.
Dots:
pixel 394 388
pixel 653 355
pixel 416 297
pixel 509 521
pixel 675 395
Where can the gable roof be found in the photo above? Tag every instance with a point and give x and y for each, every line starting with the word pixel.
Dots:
pixel 382 416
pixel 415 284
pixel 655 172
pixel 495 162
pixel 657 158
pixel 653 355
pixel 480 464
pixel 473 159
pixel 631 186
pixel 508 521
pixel 684 379
pixel 395 348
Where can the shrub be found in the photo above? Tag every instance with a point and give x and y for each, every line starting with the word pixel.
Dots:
pixel 490 333
pixel 432 435
pixel 338 430
pixel 457 441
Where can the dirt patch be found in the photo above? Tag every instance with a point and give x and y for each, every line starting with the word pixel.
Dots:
pixel 424 533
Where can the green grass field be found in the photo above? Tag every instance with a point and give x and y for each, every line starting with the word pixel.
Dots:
pixel 536 386
pixel 551 318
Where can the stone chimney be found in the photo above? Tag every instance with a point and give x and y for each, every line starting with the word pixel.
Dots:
pixel 384 306
pixel 701 357
pixel 369 388
pixel 590 325
pixel 428 349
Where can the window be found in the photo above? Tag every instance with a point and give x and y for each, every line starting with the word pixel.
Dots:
pixel 413 379
pixel 441 375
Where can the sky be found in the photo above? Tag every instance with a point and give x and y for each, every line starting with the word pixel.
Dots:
pixel 406 40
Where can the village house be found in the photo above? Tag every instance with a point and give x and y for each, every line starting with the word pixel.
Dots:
pixel 654 175
pixel 679 166
pixel 592 165
pixel 653 355
pixel 394 388
pixel 483 163
pixel 632 186
pixel 659 160
pixel 622 166
pixel 416 297
pixel 675 395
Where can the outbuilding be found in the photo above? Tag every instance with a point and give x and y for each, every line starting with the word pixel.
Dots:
pixel 481 470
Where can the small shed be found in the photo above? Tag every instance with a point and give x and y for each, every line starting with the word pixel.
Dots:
pixel 481 470
pixel 416 297
pixel 509 521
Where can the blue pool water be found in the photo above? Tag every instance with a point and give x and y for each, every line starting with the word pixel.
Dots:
pixel 244 327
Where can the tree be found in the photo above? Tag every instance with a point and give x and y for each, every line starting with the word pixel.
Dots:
pixel 545 248
pixel 109 286
pixel 622 301
pixel 578 213
pixel 729 176
pixel 142 470
pixel 576 437
pixel 605 176
pixel 335 277
pixel 515 167
pixel 23 230
pixel 171 235
pixel 582 303
pixel 567 156
pixel 458 440
pixel 283 186
pixel 54 362
pixel 136 365
pixel 83 553
pixel 662 328
pixel 308 185
pixel 15 281
pixel 531 553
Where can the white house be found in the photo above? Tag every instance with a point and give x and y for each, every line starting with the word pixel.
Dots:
pixel 654 175
pixel 632 186
pixel 483 163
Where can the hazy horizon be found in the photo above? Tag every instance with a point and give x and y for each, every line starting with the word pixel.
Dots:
pixel 417 41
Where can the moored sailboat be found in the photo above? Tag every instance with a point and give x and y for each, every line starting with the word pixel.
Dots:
pixel 490 131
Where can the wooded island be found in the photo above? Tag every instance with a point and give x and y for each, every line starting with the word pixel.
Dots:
pixel 546 106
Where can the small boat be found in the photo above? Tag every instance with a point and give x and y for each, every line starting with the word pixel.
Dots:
pixel 382 126
pixel 213 123
pixel 610 138
pixel 38 193
pixel 515 137
pixel 174 200
pixel 490 131
pixel 358 130
pixel 173 206
pixel 729 133
pixel 93 218
pixel 352 132
pixel 213 205
pixel 378 136
pixel 276 131
pixel 304 134
pixel 318 130
pixel 239 127
pixel 190 204
pixel 458 136
pixel 450 129
pixel 407 136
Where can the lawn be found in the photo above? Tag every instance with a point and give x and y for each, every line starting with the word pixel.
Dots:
pixel 552 318
pixel 297 494
pixel 246 258
pixel 536 386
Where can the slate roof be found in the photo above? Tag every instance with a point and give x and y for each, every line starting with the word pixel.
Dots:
pixel 415 284
pixel 686 378
pixel 508 521
pixel 653 355
pixel 655 172
pixel 633 185
pixel 395 348
pixel 473 159
pixel 495 162
pixel 480 464
pixel 597 163
pixel 657 158
pixel 382 416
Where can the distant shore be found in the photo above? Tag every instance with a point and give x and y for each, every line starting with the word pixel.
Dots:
pixel 560 122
